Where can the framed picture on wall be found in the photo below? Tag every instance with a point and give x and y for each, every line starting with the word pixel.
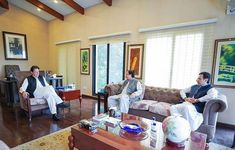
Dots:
pixel 224 63
pixel 15 46
pixel 85 61
pixel 135 53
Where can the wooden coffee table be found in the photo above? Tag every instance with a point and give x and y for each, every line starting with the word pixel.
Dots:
pixel 108 138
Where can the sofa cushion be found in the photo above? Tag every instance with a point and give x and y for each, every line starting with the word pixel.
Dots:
pixel 37 101
pixel 112 89
pixel 142 105
pixel 161 108
pixel 150 93
pixel 162 94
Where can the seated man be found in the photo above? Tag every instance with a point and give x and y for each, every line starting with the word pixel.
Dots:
pixel 195 98
pixel 129 92
pixel 36 86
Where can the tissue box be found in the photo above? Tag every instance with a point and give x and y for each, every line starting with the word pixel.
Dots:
pixel 112 122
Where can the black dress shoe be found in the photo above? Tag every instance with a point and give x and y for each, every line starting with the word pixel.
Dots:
pixel 62 105
pixel 55 118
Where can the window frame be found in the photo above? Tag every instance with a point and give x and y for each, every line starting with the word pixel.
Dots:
pixel 108 61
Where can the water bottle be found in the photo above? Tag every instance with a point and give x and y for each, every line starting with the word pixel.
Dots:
pixel 74 86
pixel 153 133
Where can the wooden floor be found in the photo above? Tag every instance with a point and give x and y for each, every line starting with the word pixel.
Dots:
pixel 15 128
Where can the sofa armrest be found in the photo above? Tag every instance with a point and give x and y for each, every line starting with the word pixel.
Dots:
pixel 210 115
pixel 25 102
pixel 212 108
pixel 112 89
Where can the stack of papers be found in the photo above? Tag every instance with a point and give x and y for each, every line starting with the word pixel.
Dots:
pixel 100 118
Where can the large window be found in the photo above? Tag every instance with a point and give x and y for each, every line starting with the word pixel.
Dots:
pixel 173 59
pixel 109 64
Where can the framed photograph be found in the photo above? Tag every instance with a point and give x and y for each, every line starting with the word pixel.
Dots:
pixel 135 59
pixel 224 63
pixel 15 46
pixel 85 61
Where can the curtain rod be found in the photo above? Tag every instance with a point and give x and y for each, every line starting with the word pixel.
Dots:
pixel 68 41
pixel 109 35
pixel 179 25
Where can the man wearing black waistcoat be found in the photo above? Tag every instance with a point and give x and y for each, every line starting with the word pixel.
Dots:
pixel 195 98
pixel 35 86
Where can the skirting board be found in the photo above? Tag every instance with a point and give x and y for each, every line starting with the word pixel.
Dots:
pixel 91 97
pixel 229 126
pixel 88 96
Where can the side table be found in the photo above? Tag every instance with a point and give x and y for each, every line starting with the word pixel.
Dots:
pixel 70 95
pixel 9 92
pixel 105 96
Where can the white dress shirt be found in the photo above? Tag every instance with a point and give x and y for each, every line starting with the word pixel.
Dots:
pixel 26 83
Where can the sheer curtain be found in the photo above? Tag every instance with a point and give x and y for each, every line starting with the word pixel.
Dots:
pixel 116 63
pixel 174 58
pixel 158 61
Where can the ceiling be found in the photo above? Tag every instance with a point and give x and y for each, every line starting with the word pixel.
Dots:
pixel 51 9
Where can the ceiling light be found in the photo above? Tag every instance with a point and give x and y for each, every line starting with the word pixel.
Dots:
pixel 38 9
pixel 55 1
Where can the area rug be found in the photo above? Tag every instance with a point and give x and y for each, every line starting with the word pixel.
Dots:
pixel 59 141
pixel 54 141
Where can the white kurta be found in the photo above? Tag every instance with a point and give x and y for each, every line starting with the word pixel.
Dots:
pixel 188 111
pixel 122 100
pixel 46 92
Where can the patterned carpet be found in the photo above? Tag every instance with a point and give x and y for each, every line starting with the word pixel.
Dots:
pixel 54 141
pixel 59 141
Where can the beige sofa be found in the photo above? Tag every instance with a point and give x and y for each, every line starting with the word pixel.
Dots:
pixel 157 101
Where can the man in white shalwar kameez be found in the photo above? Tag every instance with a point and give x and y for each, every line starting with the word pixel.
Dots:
pixel 195 98
pixel 35 86
pixel 129 92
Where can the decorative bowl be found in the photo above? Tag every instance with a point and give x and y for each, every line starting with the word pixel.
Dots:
pixel 133 130
pixel 133 126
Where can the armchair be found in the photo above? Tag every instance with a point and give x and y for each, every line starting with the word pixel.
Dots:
pixel 29 105
pixel 10 70
pixel 210 115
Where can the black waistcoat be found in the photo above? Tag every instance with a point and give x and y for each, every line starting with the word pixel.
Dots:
pixel 32 84
pixel 197 92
